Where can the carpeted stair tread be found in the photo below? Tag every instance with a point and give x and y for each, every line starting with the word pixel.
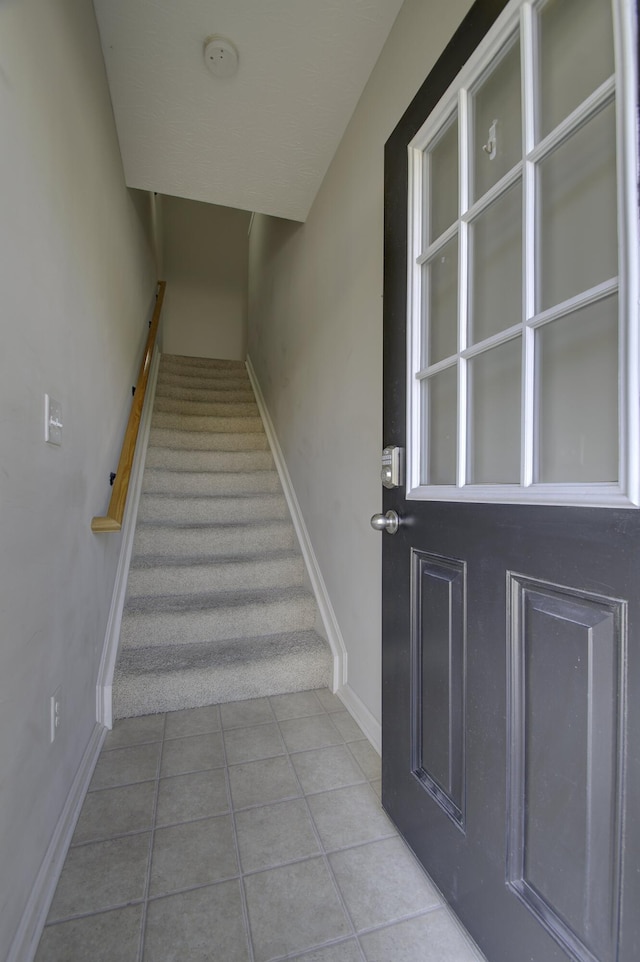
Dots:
pixel 189 483
pixel 218 606
pixel 209 395
pixel 179 459
pixel 216 600
pixel 211 363
pixel 205 441
pixel 229 382
pixel 170 405
pixel 226 509
pixel 149 680
pixel 173 576
pixel 204 422
pixel 194 657
pixel 194 619
pixel 191 369
pixel 212 541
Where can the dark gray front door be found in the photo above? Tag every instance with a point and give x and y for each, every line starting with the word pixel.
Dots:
pixel 511 654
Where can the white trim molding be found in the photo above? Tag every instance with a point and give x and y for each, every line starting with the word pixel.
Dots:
pixel 25 943
pixel 327 614
pixel 104 684
pixel 359 711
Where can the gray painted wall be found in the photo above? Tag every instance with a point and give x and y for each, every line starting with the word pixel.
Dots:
pixel 315 338
pixel 205 251
pixel 76 287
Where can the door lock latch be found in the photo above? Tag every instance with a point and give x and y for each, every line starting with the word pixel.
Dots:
pixel 392 467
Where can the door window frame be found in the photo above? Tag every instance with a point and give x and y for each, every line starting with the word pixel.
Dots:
pixel 519 18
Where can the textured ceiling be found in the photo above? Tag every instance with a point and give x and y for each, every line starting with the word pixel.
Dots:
pixel 261 140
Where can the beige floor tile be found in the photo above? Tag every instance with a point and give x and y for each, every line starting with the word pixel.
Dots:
pixel 115 811
pixel 101 875
pixel 366 757
pixel 249 744
pixel 261 782
pixel 303 734
pixel 134 731
pixel 275 834
pixel 191 854
pixel 192 754
pixel 99 938
pixel 192 721
pixel 196 795
pixel 349 816
pixel 293 908
pixel 242 714
pixel 326 768
pixel 296 705
pixel 205 925
pixel 348 728
pixel 124 766
pixel 381 882
pixel 430 938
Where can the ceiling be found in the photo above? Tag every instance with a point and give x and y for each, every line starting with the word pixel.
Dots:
pixel 261 140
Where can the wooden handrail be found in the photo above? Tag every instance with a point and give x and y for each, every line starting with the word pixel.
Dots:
pixel 112 521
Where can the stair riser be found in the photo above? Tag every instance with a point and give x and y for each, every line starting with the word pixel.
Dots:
pixel 223 483
pixel 136 695
pixel 236 409
pixel 227 541
pixel 208 363
pixel 232 382
pixel 157 508
pixel 176 460
pixel 244 395
pixel 150 629
pixel 226 576
pixel 199 422
pixel 203 441
pixel 201 370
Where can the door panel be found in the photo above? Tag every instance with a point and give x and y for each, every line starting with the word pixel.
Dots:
pixel 438 641
pixel 543 747
pixel 511 645
pixel 565 756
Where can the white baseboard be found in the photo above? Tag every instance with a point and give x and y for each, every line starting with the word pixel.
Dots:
pixel 104 685
pixel 25 943
pixel 327 614
pixel 368 722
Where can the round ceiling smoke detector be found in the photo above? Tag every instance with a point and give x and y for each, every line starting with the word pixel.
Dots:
pixel 220 56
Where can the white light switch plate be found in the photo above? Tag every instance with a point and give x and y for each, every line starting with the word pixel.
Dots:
pixel 52 420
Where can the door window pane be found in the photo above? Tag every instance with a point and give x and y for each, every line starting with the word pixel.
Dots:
pixel 440 280
pixel 496 267
pixel 576 56
pixel 577 358
pixel 578 218
pixel 443 184
pixel 440 407
pixel 495 388
pixel 497 108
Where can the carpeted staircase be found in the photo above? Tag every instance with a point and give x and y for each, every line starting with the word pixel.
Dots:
pixel 217 604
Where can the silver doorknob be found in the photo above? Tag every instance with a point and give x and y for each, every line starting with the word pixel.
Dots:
pixel 389 522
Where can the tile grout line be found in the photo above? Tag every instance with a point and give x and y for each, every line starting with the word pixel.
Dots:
pixel 243 894
pixel 321 846
pixel 147 883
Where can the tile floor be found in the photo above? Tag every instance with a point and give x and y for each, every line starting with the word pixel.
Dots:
pixel 244 832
